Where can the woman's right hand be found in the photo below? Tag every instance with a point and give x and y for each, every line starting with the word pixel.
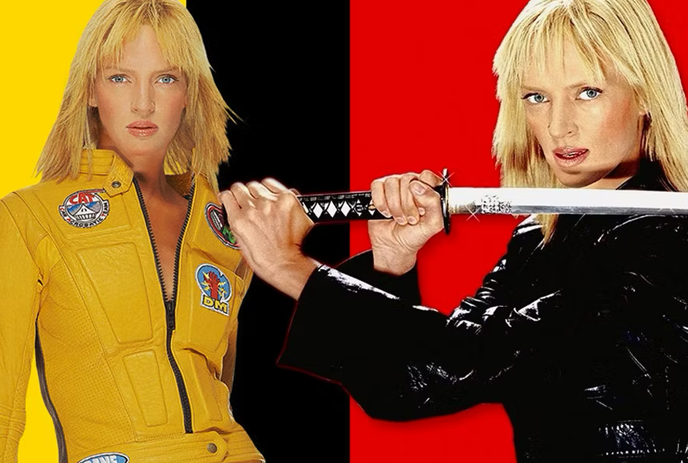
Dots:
pixel 417 215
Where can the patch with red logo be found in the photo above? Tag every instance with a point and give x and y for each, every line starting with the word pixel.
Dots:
pixel 85 208
pixel 218 224
pixel 215 288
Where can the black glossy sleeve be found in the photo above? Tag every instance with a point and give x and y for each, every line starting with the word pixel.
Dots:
pixel 403 361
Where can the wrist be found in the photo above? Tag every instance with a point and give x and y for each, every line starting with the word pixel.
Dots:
pixel 394 263
pixel 290 275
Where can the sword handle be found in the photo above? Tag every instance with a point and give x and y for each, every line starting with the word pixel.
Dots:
pixel 358 205
pixel 339 207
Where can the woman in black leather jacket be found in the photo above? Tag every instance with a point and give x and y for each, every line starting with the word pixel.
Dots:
pixel 581 330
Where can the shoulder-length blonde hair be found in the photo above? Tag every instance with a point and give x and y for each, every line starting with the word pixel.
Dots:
pixel 200 144
pixel 622 34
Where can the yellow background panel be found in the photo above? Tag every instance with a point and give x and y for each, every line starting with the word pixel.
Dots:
pixel 38 40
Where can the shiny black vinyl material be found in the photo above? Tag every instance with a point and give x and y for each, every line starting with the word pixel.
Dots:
pixel 583 340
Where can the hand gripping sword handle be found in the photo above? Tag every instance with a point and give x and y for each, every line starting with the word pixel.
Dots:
pixel 357 205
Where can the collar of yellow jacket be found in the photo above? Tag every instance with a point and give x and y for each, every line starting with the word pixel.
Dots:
pixel 118 175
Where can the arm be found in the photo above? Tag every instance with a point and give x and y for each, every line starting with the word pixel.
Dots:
pixel 401 361
pixel 19 299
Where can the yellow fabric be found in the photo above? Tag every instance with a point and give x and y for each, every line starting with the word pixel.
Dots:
pixel 92 296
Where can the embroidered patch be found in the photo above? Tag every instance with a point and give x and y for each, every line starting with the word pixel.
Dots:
pixel 215 288
pixel 218 224
pixel 85 208
pixel 106 458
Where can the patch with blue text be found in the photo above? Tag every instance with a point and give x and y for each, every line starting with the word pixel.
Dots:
pixel 106 458
pixel 85 208
pixel 215 288
pixel 215 216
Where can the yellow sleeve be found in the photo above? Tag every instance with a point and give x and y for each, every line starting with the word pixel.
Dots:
pixel 19 299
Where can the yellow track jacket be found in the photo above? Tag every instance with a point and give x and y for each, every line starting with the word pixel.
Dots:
pixel 126 375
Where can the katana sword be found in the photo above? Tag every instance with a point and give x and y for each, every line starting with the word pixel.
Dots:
pixel 517 201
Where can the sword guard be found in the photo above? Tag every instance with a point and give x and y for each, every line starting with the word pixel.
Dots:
pixel 443 190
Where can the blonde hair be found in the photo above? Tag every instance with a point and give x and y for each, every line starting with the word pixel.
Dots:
pixel 623 34
pixel 200 144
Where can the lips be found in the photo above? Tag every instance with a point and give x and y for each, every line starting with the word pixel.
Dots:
pixel 142 129
pixel 570 156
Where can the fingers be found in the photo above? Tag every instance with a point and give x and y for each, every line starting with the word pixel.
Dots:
pixel 392 196
pixel 428 202
pixel 392 190
pixel 275 186
pixel 283 194
pixel 260 191
pixel 230 203
pixel 429 177
pixel 408 205
pixel 242 195
pixel 377 192
pixel 269 188
pixel 423 194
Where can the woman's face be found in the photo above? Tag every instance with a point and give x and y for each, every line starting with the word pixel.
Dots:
pixel 589 131
pixel 140 101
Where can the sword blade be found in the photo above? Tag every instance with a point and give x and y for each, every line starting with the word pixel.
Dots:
pixel 565 201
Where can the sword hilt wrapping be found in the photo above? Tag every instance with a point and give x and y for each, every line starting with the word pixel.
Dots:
pixel 337 207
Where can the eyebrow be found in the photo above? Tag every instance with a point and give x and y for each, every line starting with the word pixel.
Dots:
pixel 583 83
pixel 131 71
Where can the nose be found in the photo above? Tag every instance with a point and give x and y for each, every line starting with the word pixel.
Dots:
pixel 143 99
pixel 562 119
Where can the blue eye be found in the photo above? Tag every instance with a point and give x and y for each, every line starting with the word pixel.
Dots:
pixel 535 98
pixel 167 79
pixel 117 79
pixel 589 93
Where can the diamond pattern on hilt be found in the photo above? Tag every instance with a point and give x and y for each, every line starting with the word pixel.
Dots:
pixel 331 209
pixel 345 206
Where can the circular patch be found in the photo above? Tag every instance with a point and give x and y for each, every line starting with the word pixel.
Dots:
pixel 85 208
pixel 215 216
pixel 106 458
pixel 215 288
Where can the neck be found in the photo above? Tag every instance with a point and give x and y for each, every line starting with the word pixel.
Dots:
pixel 154 185
pixel 618 176
pixel 149 172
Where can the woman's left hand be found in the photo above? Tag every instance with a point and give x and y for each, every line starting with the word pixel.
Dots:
pixel 270 224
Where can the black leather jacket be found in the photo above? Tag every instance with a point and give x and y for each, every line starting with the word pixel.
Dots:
pixel 584 340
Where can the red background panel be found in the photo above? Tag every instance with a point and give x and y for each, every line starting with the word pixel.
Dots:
pixel 423 97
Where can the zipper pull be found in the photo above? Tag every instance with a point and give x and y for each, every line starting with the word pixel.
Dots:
pixel 169 310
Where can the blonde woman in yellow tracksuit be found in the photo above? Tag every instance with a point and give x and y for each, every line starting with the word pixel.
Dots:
pixel 123 277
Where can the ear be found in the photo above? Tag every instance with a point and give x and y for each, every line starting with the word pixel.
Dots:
pixel 644 113
pixel 92 101
pixel 643 109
